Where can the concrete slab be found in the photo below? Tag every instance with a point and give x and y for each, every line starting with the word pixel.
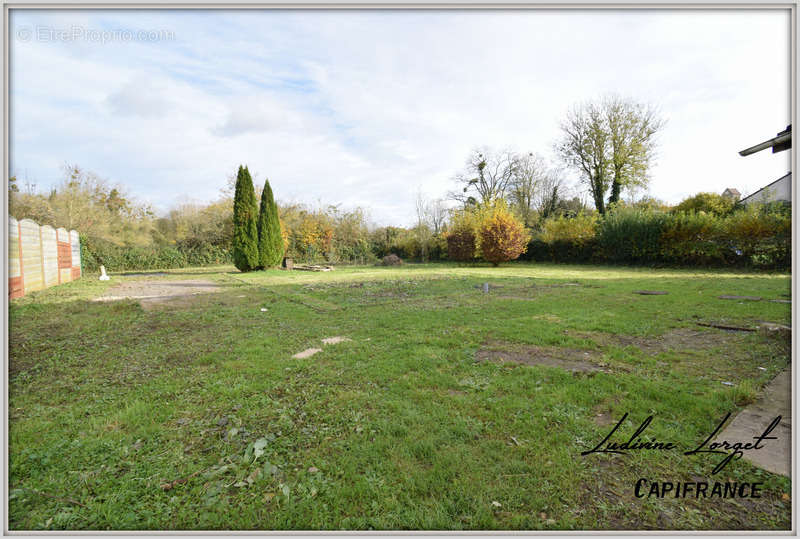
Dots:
pixel 308 352
pixel 776 455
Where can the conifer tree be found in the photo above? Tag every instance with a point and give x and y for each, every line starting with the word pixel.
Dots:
pixel 270 241
pixel 245 231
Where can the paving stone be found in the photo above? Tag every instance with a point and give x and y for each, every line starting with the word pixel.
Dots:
pixel 776 400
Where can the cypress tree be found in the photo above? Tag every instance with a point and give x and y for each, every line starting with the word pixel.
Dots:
pixel 270 242
pixel 245 232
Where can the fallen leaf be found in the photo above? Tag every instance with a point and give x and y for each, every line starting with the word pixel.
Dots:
pixel 253 475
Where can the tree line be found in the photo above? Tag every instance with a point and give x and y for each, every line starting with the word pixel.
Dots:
pixel 504 205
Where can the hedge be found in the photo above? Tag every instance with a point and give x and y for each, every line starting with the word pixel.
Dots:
pixel 96 252
pixel 753 236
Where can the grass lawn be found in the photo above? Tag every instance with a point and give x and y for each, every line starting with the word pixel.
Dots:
pixel 448 408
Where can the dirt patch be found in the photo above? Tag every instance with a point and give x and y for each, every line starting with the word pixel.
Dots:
pixel 150 293
pixel 680 339
pixel 550 356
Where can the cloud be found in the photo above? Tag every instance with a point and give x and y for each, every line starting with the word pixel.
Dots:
pixel 257 116
pixel 139 98
pixel 366 107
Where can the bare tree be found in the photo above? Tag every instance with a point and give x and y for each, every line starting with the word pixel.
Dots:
pixel 486 176
pixel 524 189
pixel 431 213
pixel 550 193
pixel 611 143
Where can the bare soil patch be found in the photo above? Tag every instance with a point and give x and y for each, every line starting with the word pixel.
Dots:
pixel 551 356
pixel 680 339
pixel 154 292
pixel 603 413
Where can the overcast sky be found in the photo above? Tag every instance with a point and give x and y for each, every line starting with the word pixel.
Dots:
pixel 366 108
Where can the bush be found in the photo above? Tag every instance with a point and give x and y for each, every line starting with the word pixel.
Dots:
pixel 566 239
pixel 502 236
pixel 462 235
pixel 96 252
pixel 693 239
pixel 461 245
pixel 708 203
pixel 756 236
pixel 760 235
pixel 631 236
pixel 391 260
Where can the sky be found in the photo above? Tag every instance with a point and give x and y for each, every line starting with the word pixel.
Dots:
pixel 369 108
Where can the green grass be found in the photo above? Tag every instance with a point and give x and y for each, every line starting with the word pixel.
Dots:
pixel 110 404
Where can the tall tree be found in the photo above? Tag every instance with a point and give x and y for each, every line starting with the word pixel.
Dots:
pixel 270 241
pixel 632 129
pixel 245 231
pixel 486 177
pixel 611 142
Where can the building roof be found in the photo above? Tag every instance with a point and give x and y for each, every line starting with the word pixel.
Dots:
pixel 782 141
pixel 787 175
pixel 731 192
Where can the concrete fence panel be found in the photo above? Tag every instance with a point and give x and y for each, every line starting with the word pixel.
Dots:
pixel 49 255
pixel 40 256
pixel 64 255
pixel 75 244
pixel 15 288
pixel 32 269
